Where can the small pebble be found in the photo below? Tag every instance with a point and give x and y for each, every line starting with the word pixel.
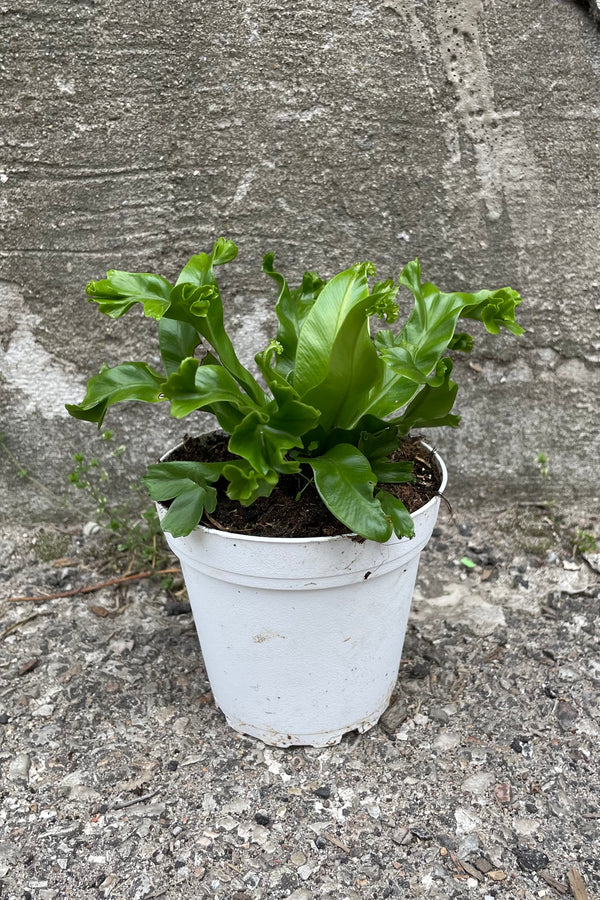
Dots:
pixel 100 611
pixel 467 846
pixel 503 793
pixel 305 872
pixel 262 819
pixel 566 714
pixel 497 875
pixel 91 528
pixel 532 860
pixel 522 745
pixel 324 792
pixel 567 674
pixel 394 716
pixel 478 783
pixel 446 740
pixel 519 581
pixel 525 827
pixel 402 836
pixel 176 608
pixel 419 670
pixel 490 574
pixel 18 768
pixel 438 714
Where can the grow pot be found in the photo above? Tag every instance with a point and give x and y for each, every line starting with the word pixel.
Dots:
pixel 302 637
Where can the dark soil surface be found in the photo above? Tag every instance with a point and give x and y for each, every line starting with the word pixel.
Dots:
pixel 281 514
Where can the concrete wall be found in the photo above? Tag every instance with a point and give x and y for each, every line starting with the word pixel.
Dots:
pixel 133 134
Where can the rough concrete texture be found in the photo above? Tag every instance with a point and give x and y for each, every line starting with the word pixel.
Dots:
pixel 121 780
pixel 132 134
pixel 595 10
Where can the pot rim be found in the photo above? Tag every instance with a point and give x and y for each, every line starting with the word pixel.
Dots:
pixel 236 535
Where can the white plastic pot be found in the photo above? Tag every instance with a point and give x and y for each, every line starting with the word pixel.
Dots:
pixel 302 637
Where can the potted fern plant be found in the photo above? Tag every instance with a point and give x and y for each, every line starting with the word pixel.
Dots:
pixel 302 625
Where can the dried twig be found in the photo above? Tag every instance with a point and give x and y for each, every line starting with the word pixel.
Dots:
pixel 332 838
pixel 125 803
pixel 558 886
pixel 235 868
pixel 218 524
pixel 577 884
pixel 95 587
pixel 473 871
pixel 18 624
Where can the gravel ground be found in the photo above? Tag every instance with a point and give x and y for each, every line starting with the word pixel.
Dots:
pixel 121 780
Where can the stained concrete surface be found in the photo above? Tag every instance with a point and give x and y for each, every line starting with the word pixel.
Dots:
pixel 132 135
pixel 121 780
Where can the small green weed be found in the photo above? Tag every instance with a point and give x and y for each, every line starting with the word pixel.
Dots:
pixel 136 535
pixel 584 542
pixel 543 462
